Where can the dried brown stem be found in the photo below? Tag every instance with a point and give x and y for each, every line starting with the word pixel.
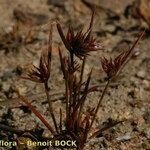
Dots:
pixel 50 106
pixel 96 133
pixel 81 76
pixel 130 52
pixel 25 100
pixel 67 101
pixel 72 60
pixel 11 129
pixel 99 103
pixel 60 121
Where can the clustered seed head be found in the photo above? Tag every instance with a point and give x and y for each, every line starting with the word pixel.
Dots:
pixel 112 67
pixel 79 44
pixel 66 65
pixel 41 73
pixel 109 67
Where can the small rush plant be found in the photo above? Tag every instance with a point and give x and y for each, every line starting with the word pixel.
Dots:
pixel 76 124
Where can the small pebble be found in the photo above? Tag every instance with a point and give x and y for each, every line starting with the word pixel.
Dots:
pixel 141 74
pixel 110 28
pixel 7 75
pixel 124 137
pixel 57 3
pixel 146 84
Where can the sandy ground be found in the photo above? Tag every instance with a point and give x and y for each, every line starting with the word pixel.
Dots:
pixel 117 24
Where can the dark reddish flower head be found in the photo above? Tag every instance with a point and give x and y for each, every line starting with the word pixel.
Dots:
pixel 111 67
pixel 41 74
pixel 66 65
pixel 79 44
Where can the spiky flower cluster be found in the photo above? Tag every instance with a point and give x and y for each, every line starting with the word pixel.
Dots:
pixel 41 74
pixel 111 67
pixel 79 44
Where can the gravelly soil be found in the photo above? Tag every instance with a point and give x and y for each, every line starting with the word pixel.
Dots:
pixel 117 24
